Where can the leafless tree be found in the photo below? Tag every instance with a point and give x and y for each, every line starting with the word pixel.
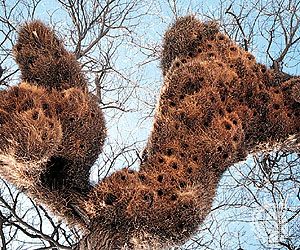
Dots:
pixel 260 196
pixel 258 202
pixel 98 32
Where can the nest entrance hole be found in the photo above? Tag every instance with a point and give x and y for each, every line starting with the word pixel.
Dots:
pixel 54 176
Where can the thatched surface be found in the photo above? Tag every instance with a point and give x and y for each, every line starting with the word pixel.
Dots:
pixel 51 129
pixel 44 61
pixel 217 105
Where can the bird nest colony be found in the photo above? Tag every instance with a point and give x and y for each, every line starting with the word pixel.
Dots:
pixel 217 105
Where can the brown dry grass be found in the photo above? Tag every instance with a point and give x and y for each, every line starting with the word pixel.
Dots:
pixel 217 105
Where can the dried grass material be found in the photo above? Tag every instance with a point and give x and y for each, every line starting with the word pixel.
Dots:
pixel 211 114
pixel 49 140
pixel 145 241
pixel 295 89
pixel 217 105
pixel 184 38
pixel 23 175
pixel 26 129
pixel 61 202
pixel 83 127
pixel 44 61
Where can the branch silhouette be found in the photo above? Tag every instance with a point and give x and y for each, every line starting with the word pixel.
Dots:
pixel 217 105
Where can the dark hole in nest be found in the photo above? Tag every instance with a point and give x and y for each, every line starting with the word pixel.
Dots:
pixel 30 60
pixel 199 50
pixel 221 37
pixel 263 69
pixel 28 104
pixel 15 92
pixel 71 119
pixel 235 138
pixel 110 199
pixel 177 64
pixel 276 106
pixel 183 60
pixel 53 177
pixel 182 184
pixel 206 124
pixel 189 170
pixel 207 120
pixel 235 122
pixel 174 165
pixel 44 136
pixel 180 226
pixel 160 192
pixel 160 178
pixel 181 97
pixel 247 137
pixel 249 94
pixel 123 177
pixel 192 87
pixel 59 109
pixel 227 126
pixel 190 54
pixel 189 122
pixel 45 106
pixel 172 104
pixel 51 125
pixel 229 109
pixel 209 46
pixel 47 113
pixel 142 177
pixel 219 149
pixel 161 160
pixel 169 152
pixel 225 156
pixel 212 99
pixel 221 112
pixel 233 49
pixel 182 116
pixel 195 158
pixel 264 97
pixel 81 123
pixel 35 115
pixel 148 198
pixel 173 197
